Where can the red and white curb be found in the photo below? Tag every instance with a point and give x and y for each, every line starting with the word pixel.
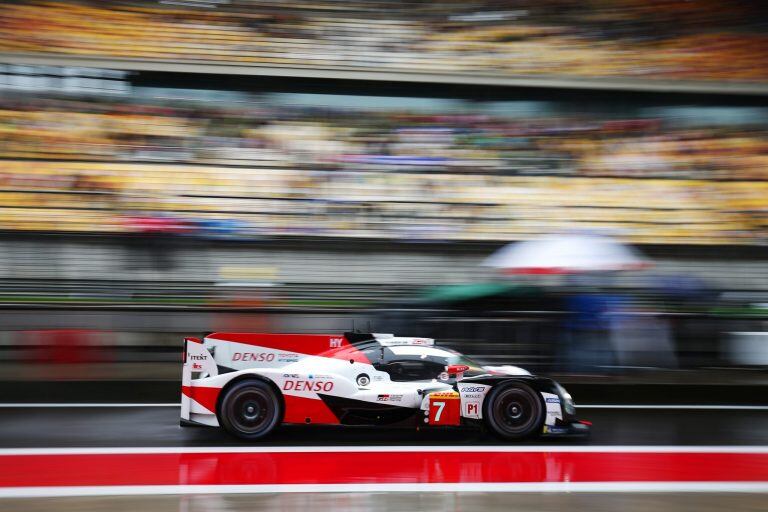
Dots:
pixel 41 472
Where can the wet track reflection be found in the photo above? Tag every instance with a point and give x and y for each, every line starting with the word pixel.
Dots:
pixel 78 456
pixel 474 468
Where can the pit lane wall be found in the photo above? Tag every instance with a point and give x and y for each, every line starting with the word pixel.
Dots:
pixel 323 261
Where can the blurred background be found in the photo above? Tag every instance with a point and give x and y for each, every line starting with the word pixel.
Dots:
pixel 177 167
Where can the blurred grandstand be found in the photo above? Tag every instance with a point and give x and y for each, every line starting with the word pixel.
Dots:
pixel 124 186
pixel 659 39
pixel 259 167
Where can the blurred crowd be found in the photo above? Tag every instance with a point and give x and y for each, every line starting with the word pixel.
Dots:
pixel 162 163
pixel 657 39
pixel 266 168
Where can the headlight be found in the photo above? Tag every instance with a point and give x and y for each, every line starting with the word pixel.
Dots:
pixel 565 398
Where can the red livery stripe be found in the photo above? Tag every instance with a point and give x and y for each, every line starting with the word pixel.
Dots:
pixel 207 397
pixel 325 345
pixel 298 409
pixel 330 467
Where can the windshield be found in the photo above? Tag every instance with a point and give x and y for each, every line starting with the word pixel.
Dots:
pixel 410 363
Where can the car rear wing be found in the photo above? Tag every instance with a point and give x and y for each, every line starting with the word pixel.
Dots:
pixel 197 363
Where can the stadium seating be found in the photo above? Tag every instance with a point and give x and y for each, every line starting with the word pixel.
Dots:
pixel 71 166
pixel 105 197
pixel 660 39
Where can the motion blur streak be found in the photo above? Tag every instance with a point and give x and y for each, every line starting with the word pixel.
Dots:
pixel 578 188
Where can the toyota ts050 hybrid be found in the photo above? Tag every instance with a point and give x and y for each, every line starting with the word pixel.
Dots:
pixel 249 384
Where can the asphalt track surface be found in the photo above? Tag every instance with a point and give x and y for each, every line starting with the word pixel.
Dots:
pixel 614 431
pixel 81 427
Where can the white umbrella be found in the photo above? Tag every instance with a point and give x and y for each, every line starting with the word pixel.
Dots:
pixel 566 254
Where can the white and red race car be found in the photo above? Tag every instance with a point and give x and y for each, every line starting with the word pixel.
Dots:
pixel 249 384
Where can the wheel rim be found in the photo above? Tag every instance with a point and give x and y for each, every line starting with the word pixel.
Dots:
pixel 251 410
pixel 515 411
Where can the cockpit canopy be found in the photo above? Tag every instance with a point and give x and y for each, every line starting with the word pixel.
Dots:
pixel 405 363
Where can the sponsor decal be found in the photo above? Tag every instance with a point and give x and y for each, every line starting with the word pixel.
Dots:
pixel 378 378
pixel 473 389
pixel 291 375
pixel 288 358
pixel 198 357
pixel 335 342
pixel 444 394
pixel 389 398
pixel 197 366
pixel 253 356
pixel 555 430
pixel 444 376
pixel 472 395
pixel 554 411
pixel 307 385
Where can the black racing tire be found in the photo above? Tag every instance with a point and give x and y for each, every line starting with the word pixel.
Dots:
pixel 250 409
pixel 513 411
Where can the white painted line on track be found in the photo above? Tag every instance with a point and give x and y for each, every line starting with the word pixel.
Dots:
pixel 538 487
pixel 50 405
pixel 686 407
pixel 379 448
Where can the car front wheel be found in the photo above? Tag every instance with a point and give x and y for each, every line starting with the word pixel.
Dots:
pixel 250 410
pixel 513 411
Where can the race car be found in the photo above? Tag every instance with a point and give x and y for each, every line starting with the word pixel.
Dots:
pixel 250 384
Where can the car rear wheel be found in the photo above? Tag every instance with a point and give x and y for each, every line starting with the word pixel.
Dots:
pixel 250 409
pixel 513 411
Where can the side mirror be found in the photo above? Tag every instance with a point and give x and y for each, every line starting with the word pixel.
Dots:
pixel 457 370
